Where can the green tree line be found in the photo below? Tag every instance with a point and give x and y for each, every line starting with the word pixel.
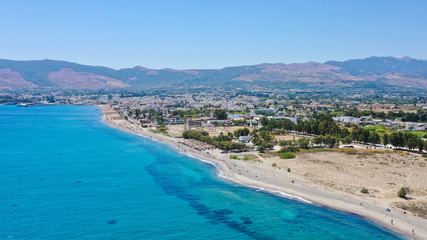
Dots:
pixel 221 141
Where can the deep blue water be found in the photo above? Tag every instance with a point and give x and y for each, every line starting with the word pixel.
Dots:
pixel 66 175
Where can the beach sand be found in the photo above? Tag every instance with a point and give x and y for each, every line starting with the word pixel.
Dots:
pixel 314 178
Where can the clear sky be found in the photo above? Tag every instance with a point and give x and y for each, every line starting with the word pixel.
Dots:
pixel 210 33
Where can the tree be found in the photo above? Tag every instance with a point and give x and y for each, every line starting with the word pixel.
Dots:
pixel 220 114
pixel 319 140
pixel 364 136
pixel 374 138
pixel 344 133
pixel 385 139
pixel 394 139
pixel 411 143
pixel 331 141
pixel 304 143
pixel 347 140
pixel 191 134
pixel 356 133
pixel 266 135
pixel 288 125
pixel 261 149
pixel 323 127
pixel 242 132
pixel 222 137
pixel 264 121
pixel 285 143
pixel 299 127
pixel 402 140
pixel 420 144
pixel 264 146
pixel 402 192
pixel 230 135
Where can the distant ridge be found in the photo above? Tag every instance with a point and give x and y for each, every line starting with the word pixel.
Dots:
pixel 372 72
pixel 383 65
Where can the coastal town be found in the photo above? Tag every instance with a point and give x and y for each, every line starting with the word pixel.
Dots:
pixel 287 142
pixel 213 120
pixel 401 112
pixel 268 143
pixel 223 111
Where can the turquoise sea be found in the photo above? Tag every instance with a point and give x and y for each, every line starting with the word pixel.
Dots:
pixel 66 175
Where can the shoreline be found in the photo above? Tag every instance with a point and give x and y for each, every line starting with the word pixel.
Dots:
pixel 253 175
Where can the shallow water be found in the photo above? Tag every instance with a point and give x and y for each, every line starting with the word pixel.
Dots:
pixel 66 175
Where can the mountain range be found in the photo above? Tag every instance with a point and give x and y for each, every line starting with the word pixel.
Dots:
pixel 372 72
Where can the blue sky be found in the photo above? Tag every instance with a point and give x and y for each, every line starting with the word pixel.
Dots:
pixel 210 34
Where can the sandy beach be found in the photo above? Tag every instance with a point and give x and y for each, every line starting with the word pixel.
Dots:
pixel 270 174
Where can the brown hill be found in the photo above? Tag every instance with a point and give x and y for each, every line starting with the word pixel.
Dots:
pixel 67 78
pixel 370 73
pixel 13 80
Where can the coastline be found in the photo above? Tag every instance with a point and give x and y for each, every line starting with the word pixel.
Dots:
pixel 268 179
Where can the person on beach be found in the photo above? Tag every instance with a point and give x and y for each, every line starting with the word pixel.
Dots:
pixel 413 232
pixel 392 223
